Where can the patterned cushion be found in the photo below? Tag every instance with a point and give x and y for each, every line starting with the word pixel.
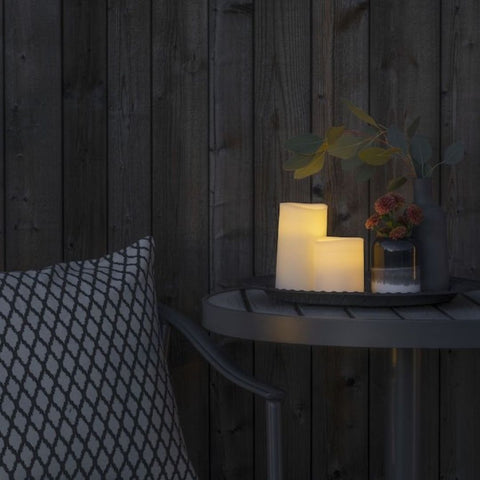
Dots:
pixel 84 389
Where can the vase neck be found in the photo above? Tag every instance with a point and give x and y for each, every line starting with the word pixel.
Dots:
pixel 423 191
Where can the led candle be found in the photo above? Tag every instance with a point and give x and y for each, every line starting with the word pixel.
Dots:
pixel 299 225
pixel 339 264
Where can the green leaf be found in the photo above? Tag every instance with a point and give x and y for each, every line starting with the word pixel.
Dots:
pixel 369 131
pixel 396 138
pixel 412 129
pixel 297 161
pixel 312 168
pixel 377 156
pixel 396 183
pixel 351 164
pixel 364 172
pixel 359 113
pixel 334 133
pixel 347 146
pixel 305 144
pixel 454 153
pixel 421 151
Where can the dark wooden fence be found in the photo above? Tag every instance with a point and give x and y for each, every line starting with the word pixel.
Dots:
pixel 168 117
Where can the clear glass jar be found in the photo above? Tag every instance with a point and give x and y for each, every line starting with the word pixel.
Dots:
pixel 395 267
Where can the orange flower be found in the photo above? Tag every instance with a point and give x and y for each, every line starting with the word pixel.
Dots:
pixel 398 232
pixel 372 221
pixel 414 214
pixel 388 203
pixel 393 217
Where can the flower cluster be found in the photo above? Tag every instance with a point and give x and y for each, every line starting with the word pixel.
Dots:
pixel 393 217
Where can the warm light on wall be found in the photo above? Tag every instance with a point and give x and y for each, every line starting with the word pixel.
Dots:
pixel 299 225
pixel 339 264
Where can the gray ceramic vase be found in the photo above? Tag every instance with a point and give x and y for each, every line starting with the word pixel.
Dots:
pixel 431 239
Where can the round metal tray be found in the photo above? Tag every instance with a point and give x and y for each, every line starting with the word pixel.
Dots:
pixel 363 299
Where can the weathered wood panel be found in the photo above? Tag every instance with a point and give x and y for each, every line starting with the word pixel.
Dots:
pixel 322 94
pixel 84 128
pixel 282 109
pixel 129 122
pixel 33 133
pixel 460 111
pixel 340 376
pixel 180 194
pixel 404 83
pixel 231 220
pixel 460 103
pixel 175 123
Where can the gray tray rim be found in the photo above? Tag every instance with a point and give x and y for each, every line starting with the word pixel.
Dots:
pixel 363 299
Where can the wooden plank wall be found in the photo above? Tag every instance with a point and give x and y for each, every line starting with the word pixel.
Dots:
pixel 123 118
pixel 404 82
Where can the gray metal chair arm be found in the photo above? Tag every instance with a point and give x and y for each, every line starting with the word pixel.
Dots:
pixel 218 360
pixel 215 357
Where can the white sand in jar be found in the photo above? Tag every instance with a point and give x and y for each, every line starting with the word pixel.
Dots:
pixel 380 287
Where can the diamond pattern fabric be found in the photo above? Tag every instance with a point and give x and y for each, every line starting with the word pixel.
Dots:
pixel 84 388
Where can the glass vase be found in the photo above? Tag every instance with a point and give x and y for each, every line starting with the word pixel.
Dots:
pixel 395 267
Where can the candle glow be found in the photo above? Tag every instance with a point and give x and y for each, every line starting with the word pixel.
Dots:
pixel 299 225
pixel 339 264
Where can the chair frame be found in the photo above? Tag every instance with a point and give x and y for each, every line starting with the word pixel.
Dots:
pixel 219 361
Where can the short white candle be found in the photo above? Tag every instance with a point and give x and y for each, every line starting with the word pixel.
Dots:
pixel 299 225
pixel 339 264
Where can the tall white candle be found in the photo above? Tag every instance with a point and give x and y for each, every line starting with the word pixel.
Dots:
pixel 299 225
pixel 339 264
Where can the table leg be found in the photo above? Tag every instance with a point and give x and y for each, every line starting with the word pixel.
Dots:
pixel 403 424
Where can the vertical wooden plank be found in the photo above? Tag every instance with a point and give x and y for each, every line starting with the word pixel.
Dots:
pixel 404 82
pixel 231 143
pixel 460 102
pixel 231 219
pixel 129 121
pixel 323 41
pixel 340 70
pixel 340 34
pixel 33 133
pixel 460 420
pixel 282 109
pixel 85 128
pixel 180 196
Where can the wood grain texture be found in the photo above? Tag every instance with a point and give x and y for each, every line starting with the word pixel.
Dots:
pixel 459 419
pixel 322 94
pixel 175 123
pixel 340 38
pixel 231 220
pixel 282 109
pixel 85 128
pixel 404 79
pixel 181 195
pixel 404 83
pixel 129 122
pixel 340 70
pixel 460 104
pixel 33 157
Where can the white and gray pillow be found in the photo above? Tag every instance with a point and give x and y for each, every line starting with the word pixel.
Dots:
pixel 84 387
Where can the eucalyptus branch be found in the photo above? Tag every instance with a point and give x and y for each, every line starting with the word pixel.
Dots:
pixel 366 151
